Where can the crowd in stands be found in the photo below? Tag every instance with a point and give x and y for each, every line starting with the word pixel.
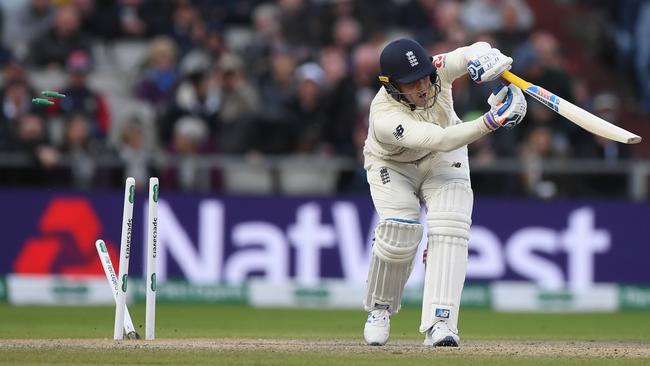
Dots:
pixel 186 79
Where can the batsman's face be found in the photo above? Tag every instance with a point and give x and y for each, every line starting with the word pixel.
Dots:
pixel 417 92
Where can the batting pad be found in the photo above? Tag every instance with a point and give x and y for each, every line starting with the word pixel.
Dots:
pixel 392 261
pixel 449 219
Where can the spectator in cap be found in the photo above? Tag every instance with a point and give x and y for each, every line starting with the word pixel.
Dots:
pixel 308 110
pixel 190 139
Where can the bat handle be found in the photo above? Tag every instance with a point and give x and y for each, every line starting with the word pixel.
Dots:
pixel 514 79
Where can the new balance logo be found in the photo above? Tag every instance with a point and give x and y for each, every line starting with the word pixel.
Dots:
pixel 383 174
pixel 455 165
pixel 399 132
pixel 412 60
pixel 442 313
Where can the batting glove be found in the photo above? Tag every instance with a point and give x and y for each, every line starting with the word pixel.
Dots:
pixel 488 66
pixel 507 107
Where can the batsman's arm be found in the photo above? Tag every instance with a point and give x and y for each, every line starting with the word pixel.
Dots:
pixel 572 112
pixel 400 130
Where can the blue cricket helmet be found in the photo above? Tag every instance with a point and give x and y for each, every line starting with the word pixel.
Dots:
pixel 405 61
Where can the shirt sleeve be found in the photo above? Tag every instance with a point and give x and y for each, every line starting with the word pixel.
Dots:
pixel 397 128
pixel 453 65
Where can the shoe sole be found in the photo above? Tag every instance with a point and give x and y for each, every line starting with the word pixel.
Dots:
pixel 448 341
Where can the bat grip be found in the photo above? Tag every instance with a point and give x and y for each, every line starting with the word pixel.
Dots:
pixel 514 79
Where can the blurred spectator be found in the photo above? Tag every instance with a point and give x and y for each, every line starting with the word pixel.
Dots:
pixel 297 25
pixel 267 37
pixel 606 106
pixel 346 34
pixel 24 23
pixel 370 17
pixel 16 100
pixel 365 71
pixel 447 18
pixel 366 66
pixel 307 111
pixel 642 60
pixel 239 102
pixel 190 139
pixel 515 27
pixel 419 17
pixel 483 153
pixel 231 12
pixel 208 48
pixel 81 98
pixel 193 97
pixel 185 20
pixel 42 166
pixel 542 63
pixel 111 19
pixel 134 152
pixel 537 147
pixel 190 136
pixel 13 71
pixel 238 99
pixel 53 47
pixel 631 37
pixel 494 15
pixel 341 107
pixel 277 89
pixel 160 73
pixel 77 147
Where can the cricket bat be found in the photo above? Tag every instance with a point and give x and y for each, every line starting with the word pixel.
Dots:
pixel 572 112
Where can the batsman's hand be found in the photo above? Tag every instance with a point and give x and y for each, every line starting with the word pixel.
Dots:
pixel 488 66
pixel 507 107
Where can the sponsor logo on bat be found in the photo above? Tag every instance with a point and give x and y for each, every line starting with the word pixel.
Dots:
pixel 551 100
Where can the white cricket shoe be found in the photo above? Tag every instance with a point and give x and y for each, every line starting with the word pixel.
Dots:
pixel 377 328
pixel 439 335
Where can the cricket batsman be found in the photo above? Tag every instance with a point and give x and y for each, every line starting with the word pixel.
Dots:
pixel 416 152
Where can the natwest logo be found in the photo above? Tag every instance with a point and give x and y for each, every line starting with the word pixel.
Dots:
pixel 68 229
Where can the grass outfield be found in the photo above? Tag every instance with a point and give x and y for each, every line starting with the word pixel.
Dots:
pixel 234 335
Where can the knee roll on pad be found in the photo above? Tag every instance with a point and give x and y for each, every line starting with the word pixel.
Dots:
pixel 397 242
pixel 392 261
pixel 450 210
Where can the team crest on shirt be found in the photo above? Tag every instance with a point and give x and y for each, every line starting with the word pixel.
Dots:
pixel 399 132
pixel 383 174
